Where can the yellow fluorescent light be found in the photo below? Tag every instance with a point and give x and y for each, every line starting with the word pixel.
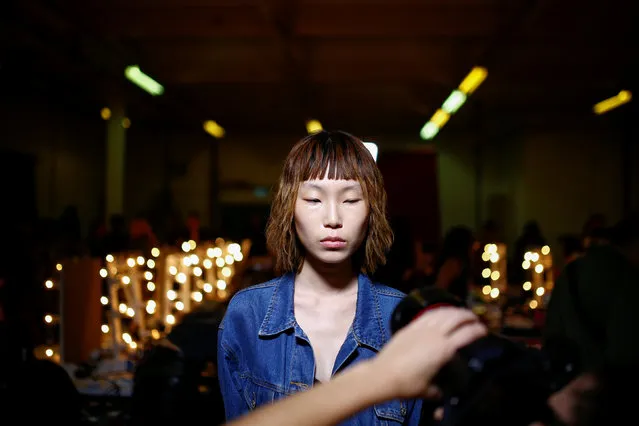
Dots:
pixel 621 98
pixel 313 126
pixel 455 100
pixel 440 118
pixel 212 128
pixel 472 81
pixel 136 76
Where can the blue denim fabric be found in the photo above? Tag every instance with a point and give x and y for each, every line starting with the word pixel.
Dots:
pixel 264 355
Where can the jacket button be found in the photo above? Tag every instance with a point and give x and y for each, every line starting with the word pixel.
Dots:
pixel 403 411
pixel 253 403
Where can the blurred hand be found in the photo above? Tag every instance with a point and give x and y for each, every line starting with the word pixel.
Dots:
pixel 417 352
pixel 564 402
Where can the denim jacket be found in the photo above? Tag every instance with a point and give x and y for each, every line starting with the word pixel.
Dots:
pixel 264 355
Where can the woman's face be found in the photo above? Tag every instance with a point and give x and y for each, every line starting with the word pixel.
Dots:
pixel 331 219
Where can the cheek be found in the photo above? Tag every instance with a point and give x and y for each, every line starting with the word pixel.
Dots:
pixel 362 220
pixel 300 220
pixel 297 222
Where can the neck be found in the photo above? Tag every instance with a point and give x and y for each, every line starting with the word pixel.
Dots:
pixel 322 278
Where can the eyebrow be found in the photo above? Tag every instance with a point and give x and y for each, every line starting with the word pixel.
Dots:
pixel 351 187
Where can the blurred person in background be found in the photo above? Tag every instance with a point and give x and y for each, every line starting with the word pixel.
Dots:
pixel 594 300
pixel 176 380
pixel 595 231
pixel 454 268
pixel 422 273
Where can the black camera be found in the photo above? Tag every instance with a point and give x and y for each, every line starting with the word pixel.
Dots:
pixel 493 380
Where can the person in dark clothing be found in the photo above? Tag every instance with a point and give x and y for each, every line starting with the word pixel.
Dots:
pixel 28 381
pixel 422 274
pixel 594 301
pixel 117 238
pixel 454 264
pixel 595 231
pixel 531 238
pixel 43 385
pixel 172 381
pixel 572 247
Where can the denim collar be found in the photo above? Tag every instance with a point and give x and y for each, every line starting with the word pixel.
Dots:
pixel 368 326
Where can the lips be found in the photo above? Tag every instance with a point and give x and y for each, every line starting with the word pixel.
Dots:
pixel 333 239
pixel 333 243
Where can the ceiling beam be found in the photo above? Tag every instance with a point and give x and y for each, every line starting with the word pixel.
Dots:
pixel 316 20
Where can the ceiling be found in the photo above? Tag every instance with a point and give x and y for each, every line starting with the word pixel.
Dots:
pixel 369 67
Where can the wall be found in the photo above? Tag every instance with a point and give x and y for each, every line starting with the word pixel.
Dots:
pixel 167 169
pixel 68 151
pixel 456 170
pixel 253 161
pixel 556 178
pixel 567 177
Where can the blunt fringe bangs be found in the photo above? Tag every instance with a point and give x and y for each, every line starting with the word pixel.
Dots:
pixel 334 155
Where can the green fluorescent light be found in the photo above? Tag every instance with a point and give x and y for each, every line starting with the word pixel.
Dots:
pixel 136 76
pixel 429 131
pixel 454 101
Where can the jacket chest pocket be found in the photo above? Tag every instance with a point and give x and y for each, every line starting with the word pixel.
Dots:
pixel 391 413
pixel 257 394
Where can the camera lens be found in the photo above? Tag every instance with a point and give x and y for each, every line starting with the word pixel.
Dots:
pixel 493 380
pixel 418 302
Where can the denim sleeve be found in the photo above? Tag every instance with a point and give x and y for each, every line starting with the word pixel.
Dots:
pixel 415 413
pixel 230 383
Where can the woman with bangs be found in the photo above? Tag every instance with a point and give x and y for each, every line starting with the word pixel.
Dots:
pixel 328 231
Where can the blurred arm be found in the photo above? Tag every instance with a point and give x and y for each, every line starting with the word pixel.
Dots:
pixel 326 404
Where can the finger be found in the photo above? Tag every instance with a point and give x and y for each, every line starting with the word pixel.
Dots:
pixel 467 334
pixel 433 392
pixel 435 318
pixel 449 319
pixel 438 414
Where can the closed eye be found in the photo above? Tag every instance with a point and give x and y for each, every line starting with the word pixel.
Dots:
pixel 311 200
pixel 353 201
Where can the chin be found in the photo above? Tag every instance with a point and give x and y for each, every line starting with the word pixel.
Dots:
pixel 334 257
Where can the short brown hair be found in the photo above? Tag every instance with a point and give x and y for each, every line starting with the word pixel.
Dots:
pixel 309 159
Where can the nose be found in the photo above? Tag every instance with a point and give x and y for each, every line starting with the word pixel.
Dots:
pixel 332 216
